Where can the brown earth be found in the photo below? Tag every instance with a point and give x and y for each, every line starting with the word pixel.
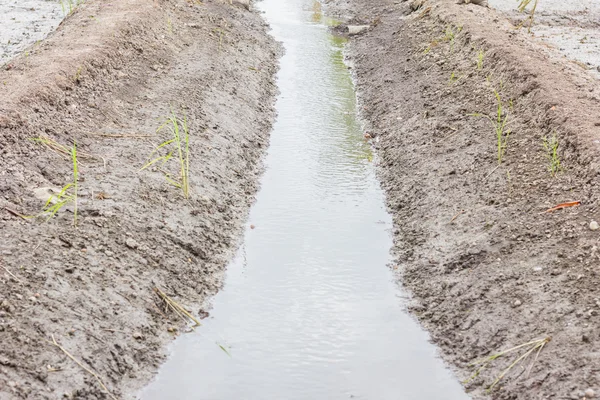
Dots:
pixel 106 79
pixel 487 267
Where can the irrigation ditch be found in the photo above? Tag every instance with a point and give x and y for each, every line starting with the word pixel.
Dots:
pixel 131 144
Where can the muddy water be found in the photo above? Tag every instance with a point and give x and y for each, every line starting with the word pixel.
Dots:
pixel 310 309
pixel 572 27
pixel 24 22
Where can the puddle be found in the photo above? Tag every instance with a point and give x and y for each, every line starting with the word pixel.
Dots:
pixel 24 22
pixel 310 309
pixel 572 27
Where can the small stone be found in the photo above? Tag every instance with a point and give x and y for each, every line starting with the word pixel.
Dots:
pixel 357 29
pixel 585 338
pixel 131 243
pixel 252 226
pixel 171 329
pixel 138 335
pixel 32 298
pixel 517 303
pixel 594 226
pixel 590 393
pixel 243 3
pixel 69 270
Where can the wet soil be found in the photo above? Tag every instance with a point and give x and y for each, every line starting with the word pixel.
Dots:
pixel 25 22
pixel 487 267
pixel 570 28
pixel 105 80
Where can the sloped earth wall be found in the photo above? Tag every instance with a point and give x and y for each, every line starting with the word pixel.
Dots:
pixel 487 266
pixel 105 81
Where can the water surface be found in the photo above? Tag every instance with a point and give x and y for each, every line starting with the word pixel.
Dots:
pixel 310 309
pixel 24 22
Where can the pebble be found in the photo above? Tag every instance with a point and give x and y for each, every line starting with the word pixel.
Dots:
pixel 138 335
pixel 517 303
pixel 131 243
pixel 594 226
pixel 585 338
pixel 244 3
pixel 357 29
pixel 590 394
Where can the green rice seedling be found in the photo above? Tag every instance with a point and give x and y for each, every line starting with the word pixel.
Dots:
pixel 67 195
pixel 551 147
pixel 453 78
pixel 68 6
pixel 500 124
pixel 77 77
pixel 529 348
pixel 449 37
pixel 180 145
pixel 522 8
pixel 169 26
pixel 480 56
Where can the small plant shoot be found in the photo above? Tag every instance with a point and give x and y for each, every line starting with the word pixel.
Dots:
pixel 480 57
pixel 529 348
pixel 523 4
pixel 68 6
pixel 67 195
pixel 177 144
pixel 550 145
pixel 500 125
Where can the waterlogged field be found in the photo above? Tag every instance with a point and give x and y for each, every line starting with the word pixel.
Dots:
pixel 24 22
pixel 572 27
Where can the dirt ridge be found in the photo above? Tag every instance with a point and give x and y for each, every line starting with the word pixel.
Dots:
pixel 106 79
pixel 488 269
